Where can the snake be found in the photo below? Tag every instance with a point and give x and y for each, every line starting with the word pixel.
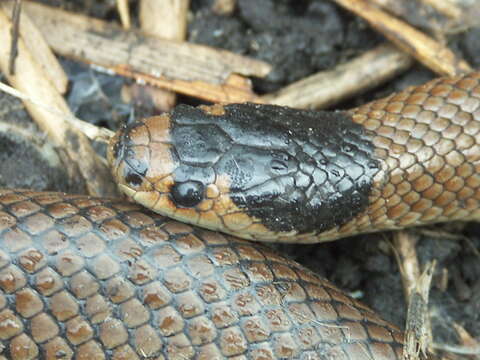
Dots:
pixel 174 275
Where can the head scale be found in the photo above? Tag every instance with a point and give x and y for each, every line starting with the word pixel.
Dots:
pixel 256 171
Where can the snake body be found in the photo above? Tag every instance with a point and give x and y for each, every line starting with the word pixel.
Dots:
pixel 91 278
pixel 105 279
pixel 272 173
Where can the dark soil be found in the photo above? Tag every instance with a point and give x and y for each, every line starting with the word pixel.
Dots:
pixel 300 37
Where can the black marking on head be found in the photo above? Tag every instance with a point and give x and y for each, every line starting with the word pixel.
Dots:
pixel 135 167
pixel 293 169
pixel 205 143
pixel 188 194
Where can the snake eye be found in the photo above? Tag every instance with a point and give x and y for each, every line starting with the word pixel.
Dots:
pixel 188 194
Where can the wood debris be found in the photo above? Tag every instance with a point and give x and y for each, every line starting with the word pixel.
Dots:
pixel 329 87
pixel 416 286
pixel 29 78
pixel 224 7
pixel 124 12
pixel 429 52
pixel 191 69
pixel 173 27
pixel 417 329
pixel 36 43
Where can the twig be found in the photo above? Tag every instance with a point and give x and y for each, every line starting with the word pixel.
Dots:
pixel 417 329
pixel 406 254
pixel 35 42
pixel 469 346
pixel 30 79
pixel 446 8
pixel 429 52
pixel 15 33
pixel 329 87
pixel 173 14
pixel 124 12
pixel 416 287
pixel 191 69
pixel 224 7
pixel 399 8
pixel 173 27
pixel 93 132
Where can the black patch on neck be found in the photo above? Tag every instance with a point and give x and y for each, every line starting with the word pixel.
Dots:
pixel 293 169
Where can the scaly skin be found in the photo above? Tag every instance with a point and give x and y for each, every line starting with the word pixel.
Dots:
pixel 277 174
pixel 105 279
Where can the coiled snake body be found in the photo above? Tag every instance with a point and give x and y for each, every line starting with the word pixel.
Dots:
pixel 105 279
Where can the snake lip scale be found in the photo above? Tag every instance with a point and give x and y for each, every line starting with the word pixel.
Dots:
pixel 91 278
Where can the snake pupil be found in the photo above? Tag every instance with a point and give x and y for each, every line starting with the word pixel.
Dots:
pixel 188 194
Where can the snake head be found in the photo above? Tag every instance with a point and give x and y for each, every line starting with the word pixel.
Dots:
pixel 255 171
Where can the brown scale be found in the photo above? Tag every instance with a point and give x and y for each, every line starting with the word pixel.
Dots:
pixel 428 141
pixel 99 279
pixel 91 278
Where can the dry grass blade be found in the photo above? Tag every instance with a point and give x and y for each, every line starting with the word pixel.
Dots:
pixel 406 255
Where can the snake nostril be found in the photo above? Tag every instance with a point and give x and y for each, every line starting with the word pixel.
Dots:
pixel 188 194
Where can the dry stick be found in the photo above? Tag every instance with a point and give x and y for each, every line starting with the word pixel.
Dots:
pixel 124 12
pixel 30 80
pixel 417 329
pixel 329 87
pixel 173 26
pixel 224 7
pixel 429 52
pixel 191 69
pixel 173 15
pixel 93 132
pixel 416 287
pixel 15 34
pixel 470 346
pixel 37 44
pixel 445 7
pixel 406 254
